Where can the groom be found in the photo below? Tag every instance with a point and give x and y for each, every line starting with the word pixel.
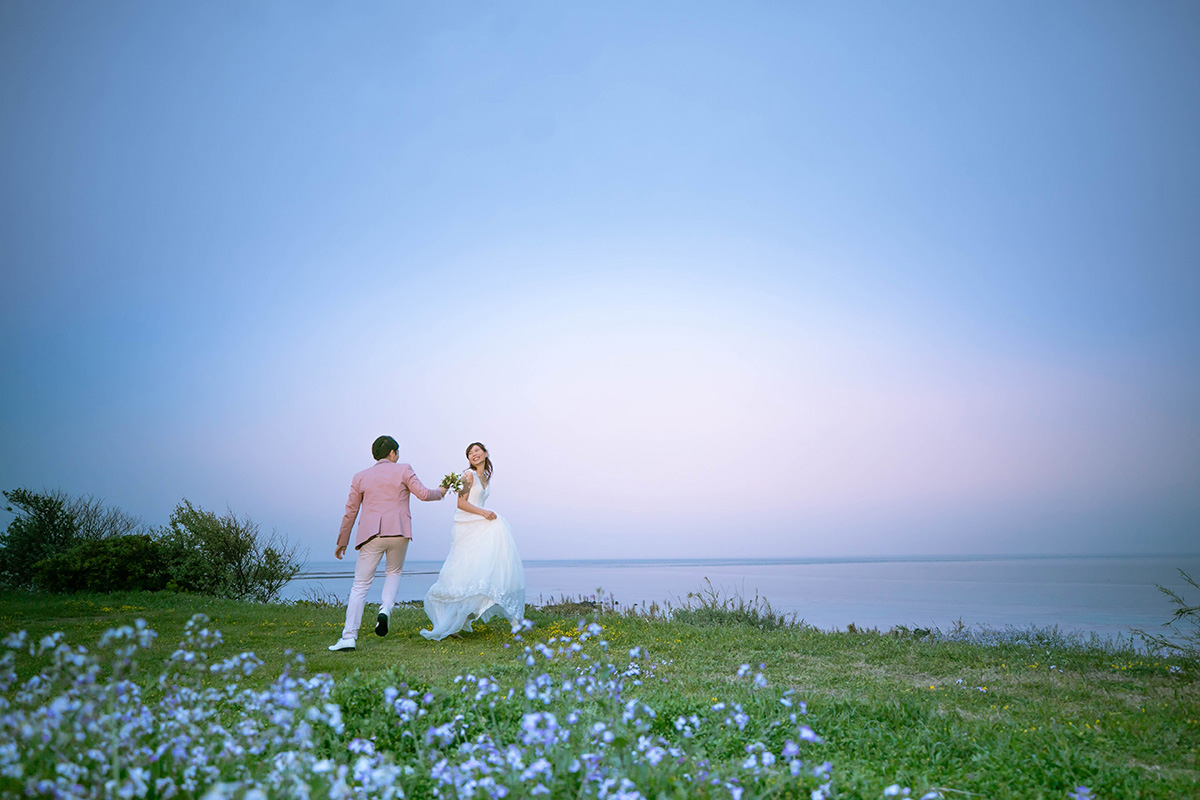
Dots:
pixel 384 531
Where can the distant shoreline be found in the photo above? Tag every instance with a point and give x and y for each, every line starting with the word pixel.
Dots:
pixel 348 571
pixel 1106 594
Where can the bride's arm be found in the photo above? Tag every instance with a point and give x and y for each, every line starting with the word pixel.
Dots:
pixel 470 508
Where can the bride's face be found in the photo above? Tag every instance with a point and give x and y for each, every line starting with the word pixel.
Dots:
pixel 476 456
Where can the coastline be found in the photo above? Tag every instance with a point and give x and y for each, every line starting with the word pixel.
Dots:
pixel 1105 595
pixel 346 567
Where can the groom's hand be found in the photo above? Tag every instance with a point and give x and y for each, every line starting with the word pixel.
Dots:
pixel 339 551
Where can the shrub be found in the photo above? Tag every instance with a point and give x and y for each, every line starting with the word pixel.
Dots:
pixel 224 556
pixel 113 564
pixel 49 524
pixel 43 527
pixel 1186 642
pixel 709 607
pixel 96 520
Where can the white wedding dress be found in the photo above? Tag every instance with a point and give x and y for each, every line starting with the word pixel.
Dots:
pixel 482 575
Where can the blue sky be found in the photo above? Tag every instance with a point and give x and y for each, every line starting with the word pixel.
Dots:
pixel 708 278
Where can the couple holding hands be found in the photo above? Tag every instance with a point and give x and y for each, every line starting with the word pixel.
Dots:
pixel 482 575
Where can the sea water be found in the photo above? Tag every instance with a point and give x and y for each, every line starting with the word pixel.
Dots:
pixel 1107 595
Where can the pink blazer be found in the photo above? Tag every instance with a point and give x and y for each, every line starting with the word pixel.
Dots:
pixel 382 492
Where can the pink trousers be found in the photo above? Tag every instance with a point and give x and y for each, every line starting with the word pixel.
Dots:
pixel 391 547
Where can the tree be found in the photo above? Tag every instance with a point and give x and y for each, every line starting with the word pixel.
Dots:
pixel 225 556
pixel 44 526
pixel 96 520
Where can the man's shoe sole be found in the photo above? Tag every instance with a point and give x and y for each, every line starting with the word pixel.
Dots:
pixel 381 625
pixel 341 649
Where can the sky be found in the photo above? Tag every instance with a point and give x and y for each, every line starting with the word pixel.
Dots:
pixel 762 279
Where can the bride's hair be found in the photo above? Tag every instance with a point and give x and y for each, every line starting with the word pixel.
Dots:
pixel 487 462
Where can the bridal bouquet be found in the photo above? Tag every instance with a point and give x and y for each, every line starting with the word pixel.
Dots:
pixel 452 482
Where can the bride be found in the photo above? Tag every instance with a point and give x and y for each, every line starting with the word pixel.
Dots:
pixel 482 575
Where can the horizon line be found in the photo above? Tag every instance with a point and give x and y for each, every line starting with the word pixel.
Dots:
pixel 767 560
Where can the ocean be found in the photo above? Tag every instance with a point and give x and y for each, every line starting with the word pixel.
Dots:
pixel 1106 595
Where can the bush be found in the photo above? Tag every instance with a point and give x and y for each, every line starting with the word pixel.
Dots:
pixel 49 524
pixel 1186 642
pixel 61 544
pixel 95 520
pixel 224 556
pixel 710 607
pixel 114 564
pixel 44 526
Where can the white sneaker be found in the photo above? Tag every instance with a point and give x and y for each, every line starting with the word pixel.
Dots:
pixel 381 624
pixel 343 646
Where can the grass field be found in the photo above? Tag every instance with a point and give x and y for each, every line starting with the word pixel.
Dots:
pixel 1022 714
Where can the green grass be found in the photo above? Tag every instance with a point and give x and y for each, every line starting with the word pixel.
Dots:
pixel 1024 716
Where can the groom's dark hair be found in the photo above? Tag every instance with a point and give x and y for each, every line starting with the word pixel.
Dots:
pixel 383 446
